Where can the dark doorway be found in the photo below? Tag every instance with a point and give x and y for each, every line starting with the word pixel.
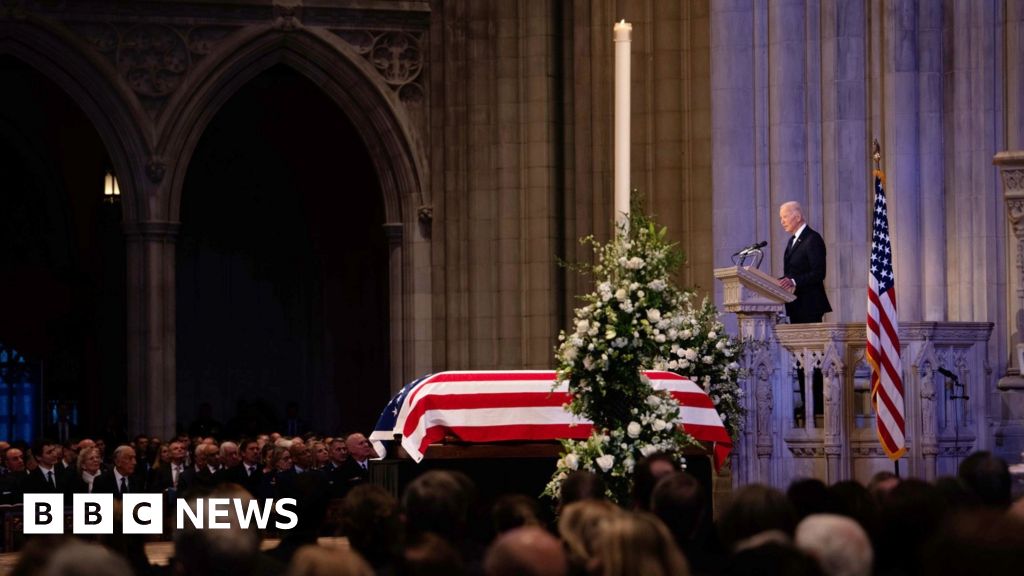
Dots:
pixel 62 285
pixel 282 265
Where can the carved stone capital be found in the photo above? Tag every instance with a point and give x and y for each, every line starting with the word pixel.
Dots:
pixel 287 15
pixel 156 168
pixel 1015 211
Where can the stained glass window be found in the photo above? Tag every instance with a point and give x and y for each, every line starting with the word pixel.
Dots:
pixel 19 395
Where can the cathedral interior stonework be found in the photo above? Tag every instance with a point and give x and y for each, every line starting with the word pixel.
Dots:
pixel 321 201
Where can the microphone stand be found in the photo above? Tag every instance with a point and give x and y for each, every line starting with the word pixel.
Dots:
pixel 741 258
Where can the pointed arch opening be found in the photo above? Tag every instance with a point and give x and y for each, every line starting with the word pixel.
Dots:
pixel 282 283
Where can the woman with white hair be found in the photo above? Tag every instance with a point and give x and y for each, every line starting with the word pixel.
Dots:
pixel 88 469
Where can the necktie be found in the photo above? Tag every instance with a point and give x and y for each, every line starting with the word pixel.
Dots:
pixel 175 472
pixel 363 464
pixel 49 480
pixel 248 470
pixel 124 485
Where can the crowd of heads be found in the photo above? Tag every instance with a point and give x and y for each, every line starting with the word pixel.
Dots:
pixel 440 524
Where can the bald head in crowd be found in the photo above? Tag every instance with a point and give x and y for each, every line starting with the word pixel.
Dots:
pixel 527 551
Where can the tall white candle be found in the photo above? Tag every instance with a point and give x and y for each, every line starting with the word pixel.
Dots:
pixel 623 33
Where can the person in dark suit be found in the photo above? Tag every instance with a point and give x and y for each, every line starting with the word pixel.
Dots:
pixel 356 469
pixel 12 483
pixel 122 478
pixel 168 474
pixel 48 477
pixel 248 473
pixel 803 269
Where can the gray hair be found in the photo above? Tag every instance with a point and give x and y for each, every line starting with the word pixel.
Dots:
pixel 838 543
pixel 228 444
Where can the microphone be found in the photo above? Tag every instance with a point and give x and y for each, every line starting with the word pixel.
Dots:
pixel 948 374
pixel 751 248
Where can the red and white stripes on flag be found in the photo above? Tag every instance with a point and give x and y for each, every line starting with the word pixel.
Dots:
pixel 883 349
pixel 493 406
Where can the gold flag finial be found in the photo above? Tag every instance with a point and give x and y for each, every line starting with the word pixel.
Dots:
pixel 876 153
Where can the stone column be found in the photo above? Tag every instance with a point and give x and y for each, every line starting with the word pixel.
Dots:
pixel 396 317
pixel 739 202
pixel 933 215
pixel 901 150
pixel 152 378
pixel 787 96
pixel 846 185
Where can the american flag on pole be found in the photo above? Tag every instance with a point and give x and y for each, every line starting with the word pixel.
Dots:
pixel 883 349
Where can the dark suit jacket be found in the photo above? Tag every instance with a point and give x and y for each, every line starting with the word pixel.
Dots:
pixel 12 486
pixel 160 479
pixel 191 479
pixel 106 483
pixel 237 475
pixel 36 482
pixel 804 262
pixel 351 474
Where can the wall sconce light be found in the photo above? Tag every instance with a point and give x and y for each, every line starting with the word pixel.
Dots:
pixel 111 191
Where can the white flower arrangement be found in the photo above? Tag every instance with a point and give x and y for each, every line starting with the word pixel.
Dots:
pixel 636 319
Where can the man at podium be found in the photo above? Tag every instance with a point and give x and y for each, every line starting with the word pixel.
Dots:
pixel 803 267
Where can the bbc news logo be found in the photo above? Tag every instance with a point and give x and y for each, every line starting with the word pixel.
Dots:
pixel 143 513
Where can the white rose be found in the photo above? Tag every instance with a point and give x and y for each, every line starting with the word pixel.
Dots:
pixel 660 338
pixel 659 425
pixel 620 294
pixel 572 461
pixel 708 360
pixel 712 335
pixel 582 326
pixel 606 462
pixel 691 354
pixel 633 429
pixel 647 450
pixel 654 315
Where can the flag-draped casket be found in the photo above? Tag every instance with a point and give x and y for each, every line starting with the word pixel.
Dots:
pixel 501 406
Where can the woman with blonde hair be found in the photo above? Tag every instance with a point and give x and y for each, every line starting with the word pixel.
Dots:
pixel 637 543
pixel 579 526
pixel 88 469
